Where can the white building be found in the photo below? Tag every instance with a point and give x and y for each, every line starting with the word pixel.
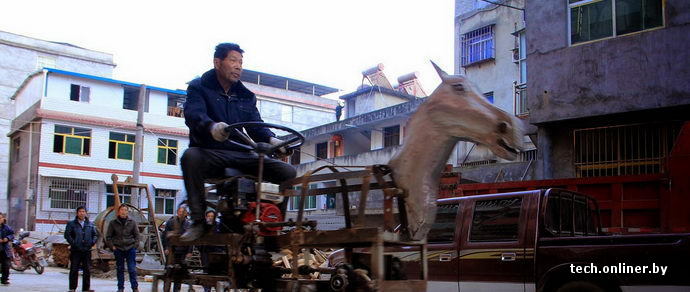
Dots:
pixel 74 130
pixel 82 131
pixel 21 56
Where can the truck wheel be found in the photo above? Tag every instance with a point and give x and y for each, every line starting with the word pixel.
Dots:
pixel 580 286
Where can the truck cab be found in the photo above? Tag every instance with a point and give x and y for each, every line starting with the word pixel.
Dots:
pixel 544 240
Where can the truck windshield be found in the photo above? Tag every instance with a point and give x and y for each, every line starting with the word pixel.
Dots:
pixel 569 214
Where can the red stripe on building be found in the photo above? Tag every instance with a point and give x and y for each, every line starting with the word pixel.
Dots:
pixel 51 221
pixel 106 170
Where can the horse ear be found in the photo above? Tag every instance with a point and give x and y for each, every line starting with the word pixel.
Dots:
pixel 440 71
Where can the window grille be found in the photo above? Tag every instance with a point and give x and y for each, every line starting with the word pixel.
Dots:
pixel 477 45
pixel 69 194
pixel 623 150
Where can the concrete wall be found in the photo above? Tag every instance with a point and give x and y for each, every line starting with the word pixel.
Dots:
pixel 643 70
pixel 29 95
pixel 28 156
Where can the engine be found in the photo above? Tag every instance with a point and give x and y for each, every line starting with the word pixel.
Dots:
pixel 237 210
pixel 237 206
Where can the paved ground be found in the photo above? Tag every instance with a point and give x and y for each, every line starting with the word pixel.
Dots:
pixel 56 279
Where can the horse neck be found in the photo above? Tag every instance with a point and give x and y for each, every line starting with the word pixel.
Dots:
pixel 424 153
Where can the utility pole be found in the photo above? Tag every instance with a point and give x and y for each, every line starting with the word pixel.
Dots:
pixel 139 142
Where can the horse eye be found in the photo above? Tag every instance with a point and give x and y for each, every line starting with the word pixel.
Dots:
pixel 459 87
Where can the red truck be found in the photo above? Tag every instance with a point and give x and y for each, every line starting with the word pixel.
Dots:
pixel 544 240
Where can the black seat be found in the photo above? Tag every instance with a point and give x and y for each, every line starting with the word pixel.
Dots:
pixel 230 172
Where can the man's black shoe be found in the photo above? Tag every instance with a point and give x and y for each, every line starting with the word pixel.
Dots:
pixel 194 232
pixel 5 282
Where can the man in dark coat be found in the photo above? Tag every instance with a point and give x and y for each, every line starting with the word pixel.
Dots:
pixel 175 226
pixel 123 239
pixel 214 101
pixel 81 235
pixel 6 237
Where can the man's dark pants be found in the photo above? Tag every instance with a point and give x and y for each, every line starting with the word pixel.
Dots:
pixel 80 259
pixel 199 164
pixel 129 256
pixel 4 266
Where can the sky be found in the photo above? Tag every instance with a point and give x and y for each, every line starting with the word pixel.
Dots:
pixel 168 43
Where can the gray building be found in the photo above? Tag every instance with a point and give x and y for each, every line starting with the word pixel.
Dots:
pixel 608 84
pixel 490 51
pixel 21 56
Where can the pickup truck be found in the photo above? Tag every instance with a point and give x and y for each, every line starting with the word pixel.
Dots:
pixel 544 240
pixel 541 240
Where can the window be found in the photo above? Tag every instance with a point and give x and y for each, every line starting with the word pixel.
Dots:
pixel 121 146
pixel 16 147
pixel 296 156
pixel 79 93
pixel 72 140
pixel 496 220
pixel 443 229
pixel 167 151
pixel 623 150
pixel 45 62
pixel 391 136
pixel 520 87
pixel 175 105
pixel 489 97
pixel 165 201
pixel 322 150
pixel 124 192
pixel 131 98
pixel 330 201
pixel 67 193
pixel 569 214
pixel 522 56
pixel 309 204
pixel 286 113
pixel 594 19
pixel 477 45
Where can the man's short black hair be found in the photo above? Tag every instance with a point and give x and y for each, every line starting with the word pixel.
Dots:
pixel 81 207
pixel 122 206
pixel 223 49
pixel 211 211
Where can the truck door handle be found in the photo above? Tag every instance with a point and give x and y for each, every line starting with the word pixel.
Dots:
pixel 445 257
pixel 508 256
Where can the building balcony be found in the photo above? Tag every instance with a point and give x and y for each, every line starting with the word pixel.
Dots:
pixel 174 111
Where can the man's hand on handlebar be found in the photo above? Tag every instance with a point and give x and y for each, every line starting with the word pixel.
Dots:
pixel 275 141
pixel 218 132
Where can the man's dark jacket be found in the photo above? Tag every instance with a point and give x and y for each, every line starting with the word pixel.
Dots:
pixel 175 225
pixel 81 238
pixel 122 237
pixel 6 232
pixel 207 103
